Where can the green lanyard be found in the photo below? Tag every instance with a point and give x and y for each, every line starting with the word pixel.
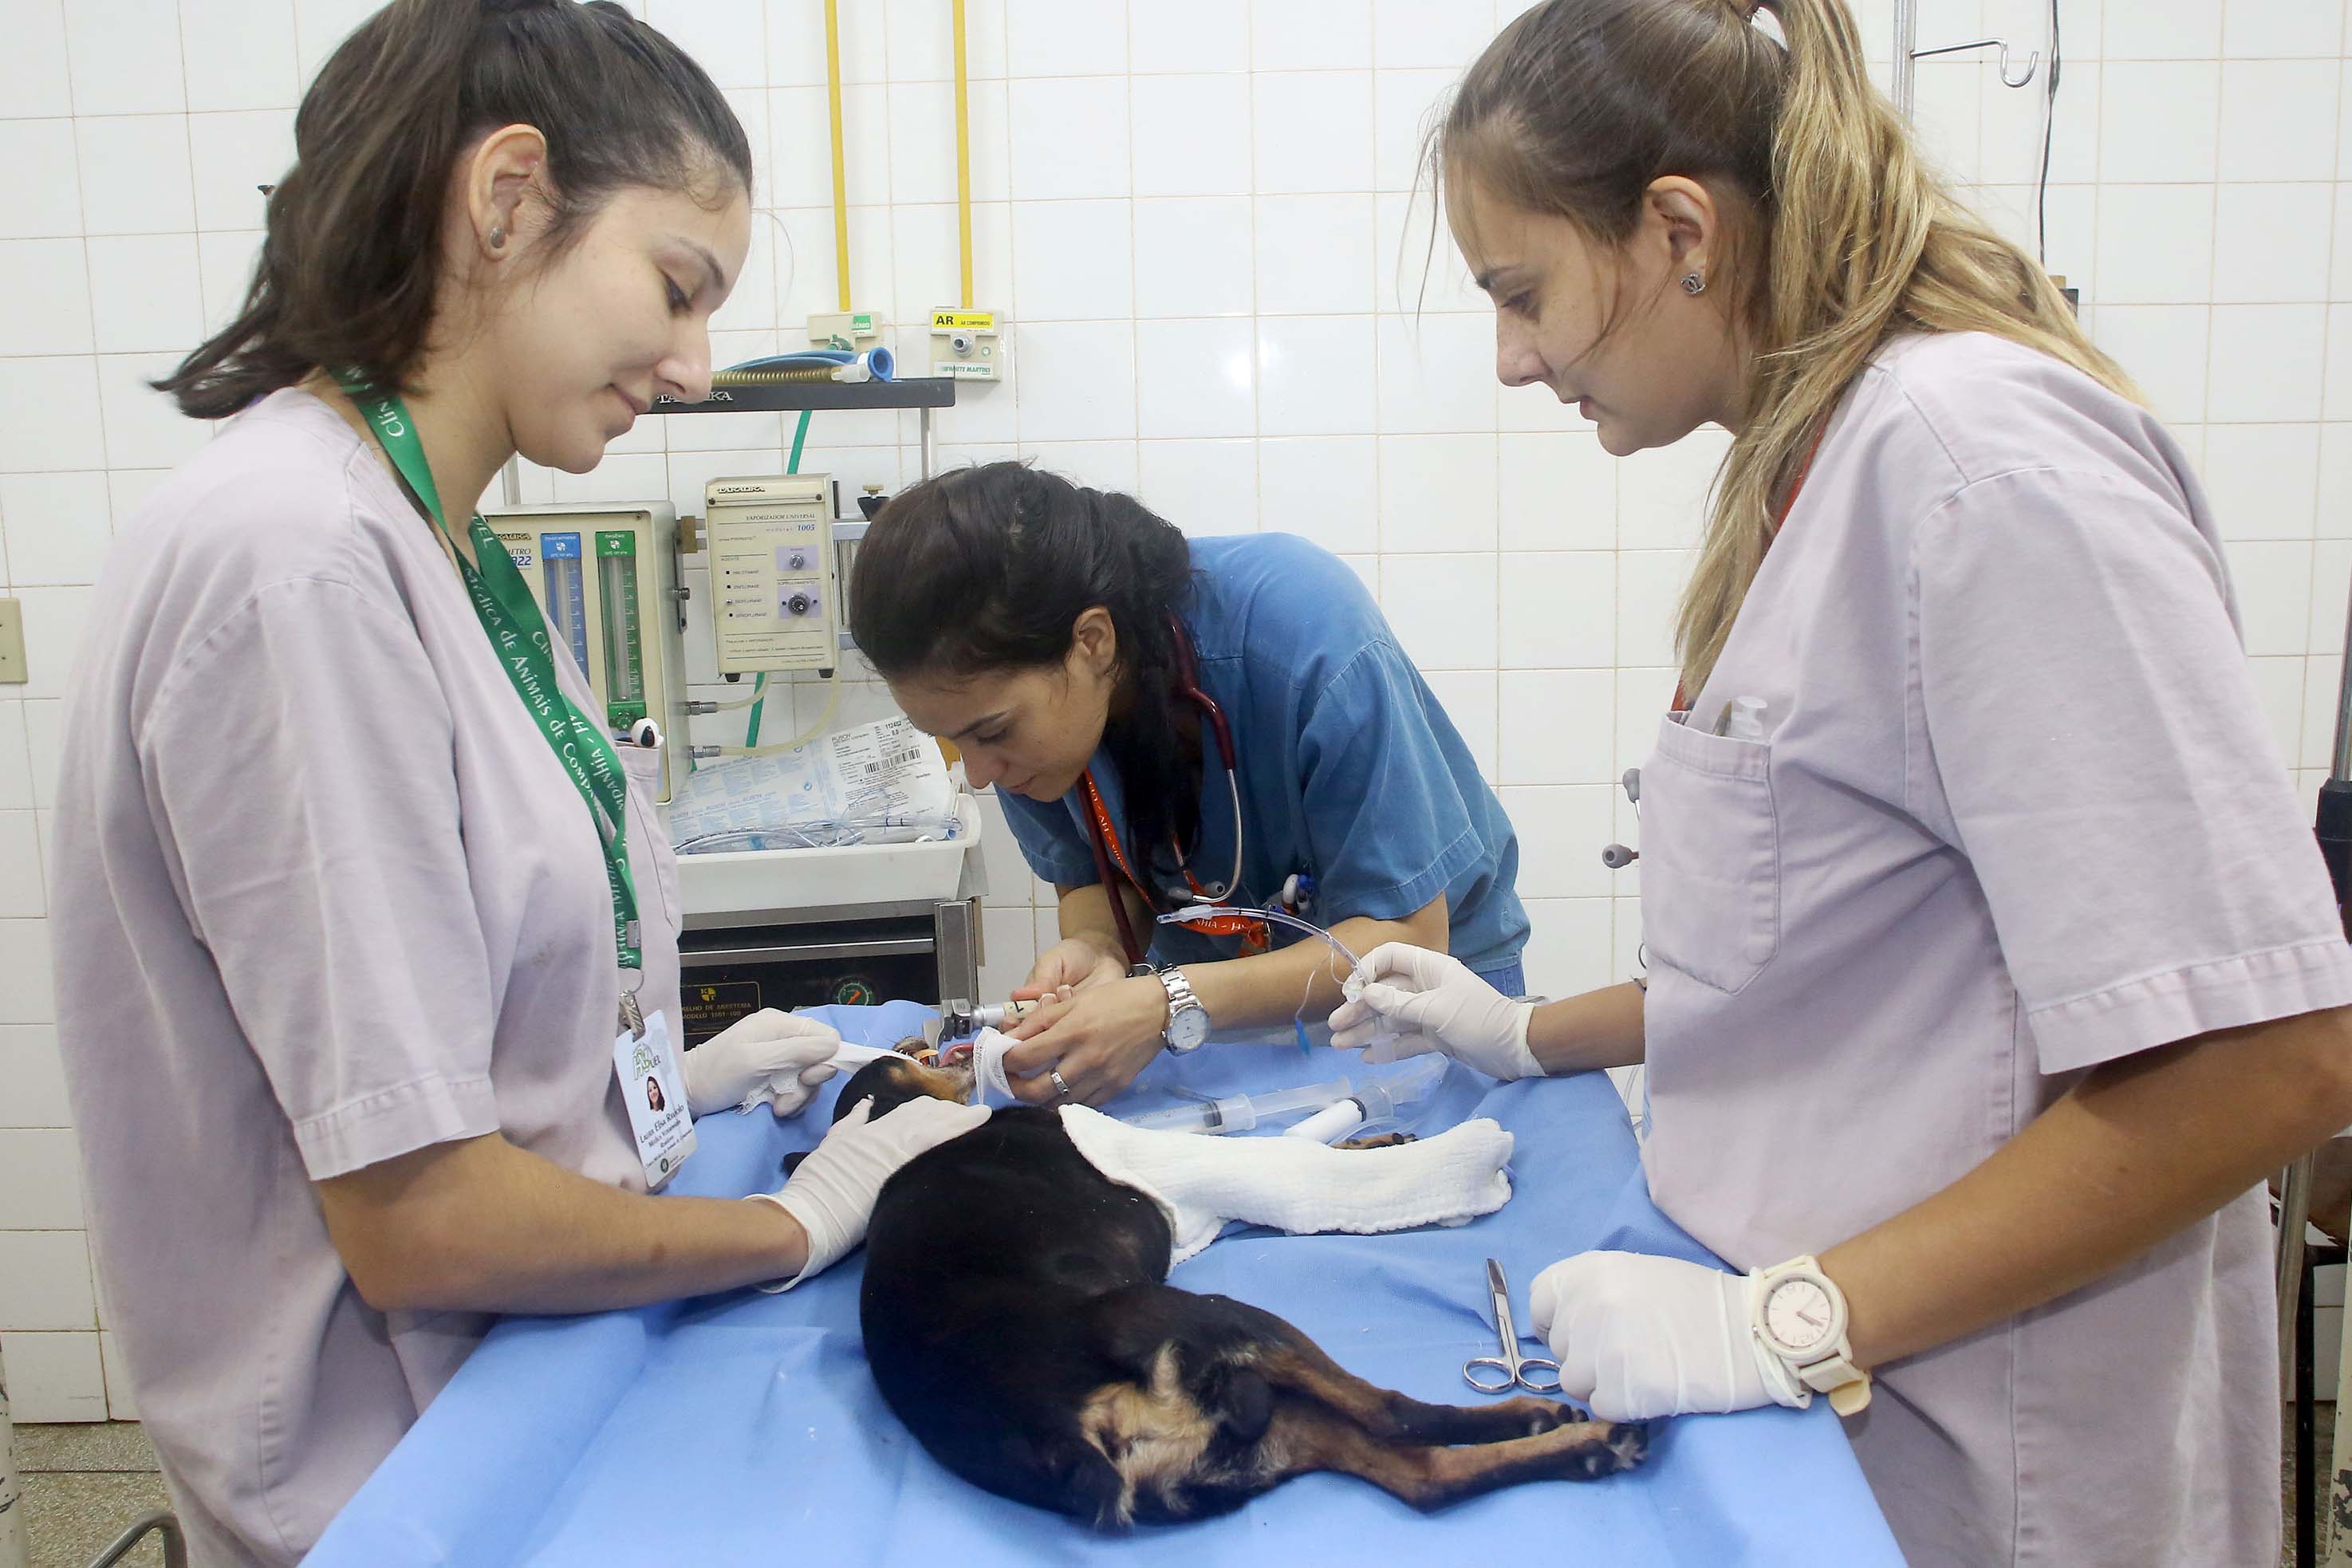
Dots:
pixel 519 632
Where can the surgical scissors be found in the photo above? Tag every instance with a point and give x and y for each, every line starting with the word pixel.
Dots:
pixel 1513 1367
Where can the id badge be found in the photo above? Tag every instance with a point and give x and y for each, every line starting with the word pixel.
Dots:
pixel 653 1089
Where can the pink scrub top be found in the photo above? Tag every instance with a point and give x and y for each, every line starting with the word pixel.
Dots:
pixel 2015 814
pixel 324 896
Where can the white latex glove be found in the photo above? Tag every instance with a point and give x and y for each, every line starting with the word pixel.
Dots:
pixel 833 1192
pixel 778 1057
pixel 1406 1000
pixel 1638 1336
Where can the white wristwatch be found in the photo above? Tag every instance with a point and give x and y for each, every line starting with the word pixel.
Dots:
pixel 1798 1315
pixel 1188 1021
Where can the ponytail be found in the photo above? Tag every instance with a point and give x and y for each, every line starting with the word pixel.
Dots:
pixel 351 265
pixel 1578 105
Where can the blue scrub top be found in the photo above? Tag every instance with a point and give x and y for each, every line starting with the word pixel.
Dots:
pixel 1349 769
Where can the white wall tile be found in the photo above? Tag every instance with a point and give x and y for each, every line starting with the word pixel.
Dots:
pixel 1418 269
pixel 1559 492
pixel 120 1403
pixel 1313 131
pixel 1409 33
pixel 1437 493
pixel 1195 378
pixel 2266 243
pixel 144 428
pixel 240 56
pixel 919 46
pixel 1561 828
pixel 1075 379
pixel 226 261
pixel 1557 726
pixel 1064 37
pixel 1649 586
pixel 1314 375
pixel 2163 348
pixel 1327 489
pixel 1073 261
pixel 1310 34
pixel 2278 691
pixel 135 175
pixel 1193 256
pixel 22 893
pixel 1197 36
pixel 2012 133
pixel 58 526
pixel 1009 937
pixel 2262 480
pixel 1405 105
pixel 40 190
pixel 2266 362
pixel 53 420
pixel 1314 254
pixel 44 1280
pixel 1069 138
pixel 2157 121
pixel 2335 482
pixel 54 1376
pixel 2274 586
pixel 2164 29
pixel 923 141
pixel 46 282
pixel 1192 135
pixel 16 755
pixel 320 28
pixel 34 77
pixel 1435 374
pixel 232 155
pixel 54 619
pixel 2276 120
pixel 1569 941
pixel 1661 494
pixel 924 243
pixel 2321 688
pixel 40 1176
pixel 2281 29
pixel 2331 596
pixel 2133 268
pixel 1204 488
pixel 125 57
pixel 1443 610
pixel 145 294
pixel 728 38
pixel 1949 112
pixel 45 742
pixel 1558 610
pixel 35 1075
pixel 1468 697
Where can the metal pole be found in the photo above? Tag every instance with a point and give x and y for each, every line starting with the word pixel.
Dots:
pixel 1907 39
pixel 930 447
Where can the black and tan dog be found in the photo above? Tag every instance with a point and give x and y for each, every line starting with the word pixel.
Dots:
pixel 1018 1319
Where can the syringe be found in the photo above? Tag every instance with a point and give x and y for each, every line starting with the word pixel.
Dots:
pixel 1241 1112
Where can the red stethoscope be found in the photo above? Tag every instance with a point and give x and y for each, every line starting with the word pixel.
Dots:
pixel 1254 934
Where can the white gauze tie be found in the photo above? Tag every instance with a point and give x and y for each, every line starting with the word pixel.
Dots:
pixel 1296 1185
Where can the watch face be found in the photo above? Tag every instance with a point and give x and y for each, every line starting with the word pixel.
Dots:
pixel 1798 1313
pixel 1188 1029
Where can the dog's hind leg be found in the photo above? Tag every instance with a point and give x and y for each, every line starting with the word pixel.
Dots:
pixel 1306 1436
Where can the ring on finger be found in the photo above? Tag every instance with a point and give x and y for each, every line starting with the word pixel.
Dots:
pixel 1059 1087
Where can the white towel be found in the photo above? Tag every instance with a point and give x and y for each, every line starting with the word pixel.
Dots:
pixel 1293 1184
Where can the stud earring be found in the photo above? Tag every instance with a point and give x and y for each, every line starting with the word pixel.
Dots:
pixel 499 240
pixel 1694 284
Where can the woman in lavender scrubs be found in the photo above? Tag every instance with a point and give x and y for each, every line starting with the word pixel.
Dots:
pixel 1991 963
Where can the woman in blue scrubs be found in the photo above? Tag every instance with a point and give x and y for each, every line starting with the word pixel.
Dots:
pixel 1139 698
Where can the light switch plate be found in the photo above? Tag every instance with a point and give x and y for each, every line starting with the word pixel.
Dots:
pixel 12 643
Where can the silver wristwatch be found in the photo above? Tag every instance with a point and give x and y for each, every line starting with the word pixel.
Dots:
pixel 1188 1021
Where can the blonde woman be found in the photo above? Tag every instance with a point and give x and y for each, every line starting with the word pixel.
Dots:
pixel 1991 963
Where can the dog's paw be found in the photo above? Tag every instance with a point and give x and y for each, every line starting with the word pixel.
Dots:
pixel 1379 1141
pixel 1624 1445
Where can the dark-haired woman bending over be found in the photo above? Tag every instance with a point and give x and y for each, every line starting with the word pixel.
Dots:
pixel 1092 663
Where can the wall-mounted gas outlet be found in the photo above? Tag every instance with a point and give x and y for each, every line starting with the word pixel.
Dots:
pixel 971 345
pixel 832 328
pixel 12 643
